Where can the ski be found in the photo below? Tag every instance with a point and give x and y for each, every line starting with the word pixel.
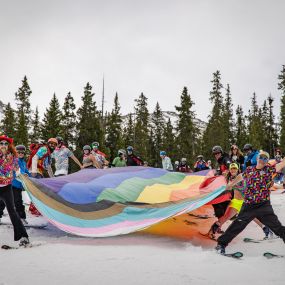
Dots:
pixel 28 226
pixel 260 240
pixel 30 245
pixel 270 255
pixel 236 255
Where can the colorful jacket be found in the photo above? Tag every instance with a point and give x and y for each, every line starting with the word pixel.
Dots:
pixel 8 163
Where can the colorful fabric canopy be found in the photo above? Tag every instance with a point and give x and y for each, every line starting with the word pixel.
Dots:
pixel 116 201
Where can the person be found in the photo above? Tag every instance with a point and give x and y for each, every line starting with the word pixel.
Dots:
pixel 166 161
pixel 132 159
pixel 236 156
pixel 8 164
pixel 251 156
pixel 200 164
pixel 209 162
pixel 235 204
pixel 99 156
pixel 17 186
pixel 223 160
pixel 256 201
pixel 61 155
pixel 145 163
pixel 89 160
pixel 120 160
pixel 176 165
pixel 40 158
pixel 183 166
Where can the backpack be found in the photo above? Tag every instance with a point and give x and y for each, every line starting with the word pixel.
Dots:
pixel 34 147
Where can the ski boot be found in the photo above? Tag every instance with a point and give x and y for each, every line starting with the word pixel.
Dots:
pixel 221 249
pixel 24 242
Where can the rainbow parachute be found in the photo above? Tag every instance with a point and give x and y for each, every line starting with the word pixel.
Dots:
pixel 116 201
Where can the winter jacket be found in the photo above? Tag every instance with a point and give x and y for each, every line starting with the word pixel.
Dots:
pixel 250 160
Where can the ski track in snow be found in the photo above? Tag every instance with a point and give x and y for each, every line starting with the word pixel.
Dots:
pixel 140 259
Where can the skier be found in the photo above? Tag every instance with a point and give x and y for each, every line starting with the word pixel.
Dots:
pixel 183 166
pixel 120 160
pixel 61 155
pixel 40 158
pixel 200 164
pixel 235 204
pixel 132 159
pixel 8 164
pixel 223 162
pixel 236 156
pixel 256 201
pixel 166 161
pixel 251 156
pixel 89 160
pixel 99 156
pixel 17 186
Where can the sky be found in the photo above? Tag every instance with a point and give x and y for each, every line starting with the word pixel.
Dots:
pixel 154 47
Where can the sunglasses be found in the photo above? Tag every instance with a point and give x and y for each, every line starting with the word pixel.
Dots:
pixel 20 152
pixel 4 143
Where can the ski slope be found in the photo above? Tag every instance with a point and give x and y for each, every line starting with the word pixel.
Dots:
pixel 140 259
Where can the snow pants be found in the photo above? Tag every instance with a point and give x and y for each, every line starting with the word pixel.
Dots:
pixel 263 212
pixel 18 200
pixel 6 195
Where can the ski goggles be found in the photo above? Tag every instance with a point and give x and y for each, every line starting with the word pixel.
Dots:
pixel 263 158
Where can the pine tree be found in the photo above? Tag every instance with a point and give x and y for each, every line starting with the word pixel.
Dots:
pixel 228 120
pixel 22 97
pixel 88 126
pixel 169 141
pixel 281 86
pixel 270 139
pixel 156 135
pixel 255 125
pixel 69 121
pixel 114 140
pixel 36 127
pixel 240 129
pixel 214 133
pixel 8 125
pixel 128 133
pixel 141 134
pixel 187 132
pixel 51 126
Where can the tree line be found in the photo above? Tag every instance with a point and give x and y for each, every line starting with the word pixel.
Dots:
pixel 149 132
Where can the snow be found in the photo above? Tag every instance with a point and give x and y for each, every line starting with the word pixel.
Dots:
pixel 140 259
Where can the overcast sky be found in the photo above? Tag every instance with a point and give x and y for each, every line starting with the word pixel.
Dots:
pixel 155 47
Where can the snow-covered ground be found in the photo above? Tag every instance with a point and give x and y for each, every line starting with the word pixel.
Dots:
pixel 140 259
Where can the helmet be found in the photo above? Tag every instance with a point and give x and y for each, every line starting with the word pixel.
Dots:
pixel 20 147
pixel 95 144
pixel 247 147
pixel 183 159
pixel 53 140
pixel 200 156
pixel 59 139
pixel 121 151
pixel 162 152
pixel 87 147
pixel 217 149
pixel 130 148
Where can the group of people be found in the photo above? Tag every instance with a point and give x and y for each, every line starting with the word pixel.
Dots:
pixel 249 178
